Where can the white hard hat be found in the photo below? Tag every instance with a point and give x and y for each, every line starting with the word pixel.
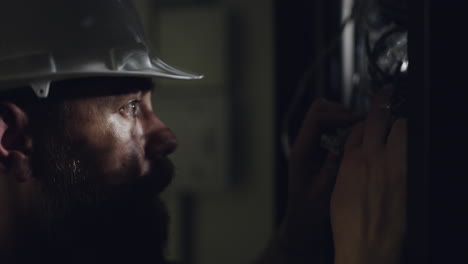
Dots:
pixel 49 40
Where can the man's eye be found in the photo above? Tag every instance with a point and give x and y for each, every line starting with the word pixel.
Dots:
pixel 131 109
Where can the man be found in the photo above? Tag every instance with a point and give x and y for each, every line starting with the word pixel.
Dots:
pixel 83 157
pixel 84 178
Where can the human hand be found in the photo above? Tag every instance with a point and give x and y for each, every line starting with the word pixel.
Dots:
pixel 311 179
pixel 368 205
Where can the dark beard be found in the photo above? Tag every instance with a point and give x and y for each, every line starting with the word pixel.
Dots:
pixel 83 220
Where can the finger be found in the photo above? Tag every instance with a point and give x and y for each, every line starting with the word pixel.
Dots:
pixel 307 144
pixel 355 138
pixel 322 114
pixel 306 153
pixel 397 145
pixel 328 174
pixel 378 121
pixel 323 105
pixel 396 180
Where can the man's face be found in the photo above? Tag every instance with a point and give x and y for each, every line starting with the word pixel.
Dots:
pixel 100 171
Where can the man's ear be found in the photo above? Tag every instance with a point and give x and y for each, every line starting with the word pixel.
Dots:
pixel 15 143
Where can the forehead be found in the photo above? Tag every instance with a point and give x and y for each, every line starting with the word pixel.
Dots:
pixel 98 86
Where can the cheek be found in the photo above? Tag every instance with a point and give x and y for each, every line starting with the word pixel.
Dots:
pixel 124 158
pixel 120 130
pixel 127 133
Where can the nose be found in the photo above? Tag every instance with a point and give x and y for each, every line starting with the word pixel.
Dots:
pixel 160 140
